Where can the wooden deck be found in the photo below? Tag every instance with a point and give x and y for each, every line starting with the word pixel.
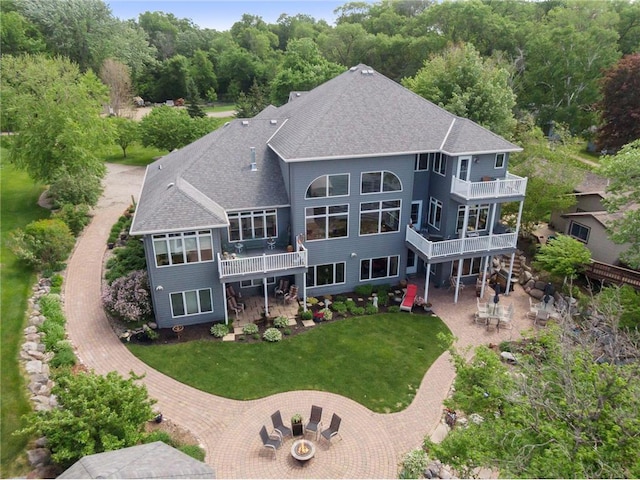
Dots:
pixel 613 275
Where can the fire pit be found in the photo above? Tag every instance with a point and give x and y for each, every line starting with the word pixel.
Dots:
pixel 303 450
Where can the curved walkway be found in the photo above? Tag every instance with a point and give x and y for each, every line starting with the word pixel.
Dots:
pixel 373 444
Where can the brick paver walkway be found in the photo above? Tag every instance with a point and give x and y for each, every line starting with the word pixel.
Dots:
pixel 373 444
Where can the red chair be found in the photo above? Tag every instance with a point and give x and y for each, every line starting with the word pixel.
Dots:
pixel 409 298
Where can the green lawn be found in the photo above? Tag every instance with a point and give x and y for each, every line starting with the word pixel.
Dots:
pixel 19 198
pixel 225 107
pixel 378 361
pixel 136 154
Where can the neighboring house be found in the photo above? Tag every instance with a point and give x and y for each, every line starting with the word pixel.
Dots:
pixel 364 181
pixel 587 220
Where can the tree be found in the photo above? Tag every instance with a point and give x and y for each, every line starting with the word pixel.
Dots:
pixel 18 35
pixel 115 75
pixel 623 171
pixel 170 128
pixel 43 244
pixel 202 74
pixel 96 414
pixel 559 413
pixel 250 104
pixel 126 132
pixel 620 104
pixel 563 257
pixel 56 112
pixel 466 85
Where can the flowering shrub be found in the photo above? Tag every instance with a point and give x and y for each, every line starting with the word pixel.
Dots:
pixel 281 322
pixel 272 335
pixel 327 314
pixel 129 297
pixel 414 463
pixel 219 330
pixel 250 329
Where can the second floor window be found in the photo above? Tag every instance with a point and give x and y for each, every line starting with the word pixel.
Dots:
pixel 422 162
pixel 435 212
pixel 327 222
pixel 440 164
pixel 499 160
pixel 478 215
pixel 579 232
pixel 377 182
pixel 183 247
pixel 258 224
pixel 379 217
pixel 329 186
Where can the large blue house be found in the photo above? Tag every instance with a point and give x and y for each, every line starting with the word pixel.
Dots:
pixel 358 181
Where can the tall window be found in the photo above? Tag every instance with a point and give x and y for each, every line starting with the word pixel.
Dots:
pixel 377 182
pixel 327 274
pixel 379 217
pixel 252 225
pixel 499 160
pixel 478 215
pixel 440 164
pixel 329 186
pixel 382 267
pixel 327 222
pixel 579 232
pixel 191 302
pixel 422 161
pixel 435 212
pixel 183 247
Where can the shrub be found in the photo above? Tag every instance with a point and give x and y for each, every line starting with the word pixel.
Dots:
pixel 414 463
pixel 383 290
pixel 159 436
pixel 272 335
pixel 256 336
pixel 364 290
pixel 250 329
pixel 370 309
pixel 339 307
pixel 126 260
pixel 75 216
pixel 357 311
pixel 56 280
pixel 312 301
pixel 383 300
pixel 394 309
pixel 349 304
pixel 308 315
pixel 64 355
pixel 53 333
pixel 281 322
pixel 286 331
pixel 76 190
pixel 43 244
pixel 129 297
pixel 241 338
pixel 194 451
pixel 219 330
pixel 341 298
pixel 327 314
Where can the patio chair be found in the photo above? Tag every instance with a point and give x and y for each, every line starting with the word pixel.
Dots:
pixel 234 306
pixel 282 287
pixel 279 427
pixel 541 318
pixel 453 281
pixel 270 441
pixel 482 306
pixel 481 317
pixel 291 295
pixel 409 298
pixel 315 422
pixel 232 293
pixel 332 431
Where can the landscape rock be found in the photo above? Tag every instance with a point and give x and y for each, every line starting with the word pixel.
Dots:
pixel 34 366
pixel 508 357
pixel 536 293
pixel 38 457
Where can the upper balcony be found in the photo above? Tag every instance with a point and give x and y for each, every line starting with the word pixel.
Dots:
pixel 512 186
pixel 461 247
pixel 268 262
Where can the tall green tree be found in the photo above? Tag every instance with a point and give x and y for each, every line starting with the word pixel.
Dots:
pixel 19 35
pixel 125 133
pixel 467 85
pixel 563 257
pixel 203 74
pixel 169 128
pixel 55 110
pixel 623 171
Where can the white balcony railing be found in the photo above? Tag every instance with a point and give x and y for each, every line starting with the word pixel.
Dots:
pixel 460 246
pixel 261 263
pixel 510 186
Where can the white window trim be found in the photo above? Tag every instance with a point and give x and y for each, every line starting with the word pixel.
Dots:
pixel 253 214
pixel 381 172
pixel 200 312
pixel 315 274
pixel 478 208
pixel 440 161
pixel 504 160
pixel 328 176
pixel 380 210
pixel 416 166
pixel 437 203
pixel 370 260
pixel 326 217
pixel 197 234
pixel 588 229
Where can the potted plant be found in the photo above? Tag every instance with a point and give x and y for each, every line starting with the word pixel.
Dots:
pixel 296 424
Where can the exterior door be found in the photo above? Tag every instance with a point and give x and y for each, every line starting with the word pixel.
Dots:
pixel 412 262
pixel 463 168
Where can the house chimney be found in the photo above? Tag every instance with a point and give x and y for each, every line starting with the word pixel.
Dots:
pixel 254 165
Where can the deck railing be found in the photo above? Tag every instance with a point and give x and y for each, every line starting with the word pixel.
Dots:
pixel 460 246
pixel 510 186
pixel 612 274
pixel 261 263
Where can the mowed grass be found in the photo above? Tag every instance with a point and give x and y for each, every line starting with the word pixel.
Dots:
pixel 19 196
pixel 224 107
pixel 137 155
pixel 378 361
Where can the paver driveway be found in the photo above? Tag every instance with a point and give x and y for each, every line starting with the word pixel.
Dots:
pixel 373 444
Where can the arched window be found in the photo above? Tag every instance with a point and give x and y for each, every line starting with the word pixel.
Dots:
pixel 329 186
pixel 378 182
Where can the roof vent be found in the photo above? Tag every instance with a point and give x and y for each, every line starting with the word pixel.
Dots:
pixel 297 94
pixel 354 68
pixel 273 122
pixel 226 124
pixel 160 167
pixel 245 122
pixel 254 165
pixel 170 185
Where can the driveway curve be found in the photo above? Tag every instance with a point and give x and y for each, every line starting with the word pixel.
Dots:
pixel 372 444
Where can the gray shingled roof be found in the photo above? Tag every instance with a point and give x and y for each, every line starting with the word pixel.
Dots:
pixel 355 114
pixel 153 460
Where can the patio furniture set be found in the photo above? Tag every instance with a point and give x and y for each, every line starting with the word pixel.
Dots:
pixel 302 449
pixel 494 315
pixel 542 312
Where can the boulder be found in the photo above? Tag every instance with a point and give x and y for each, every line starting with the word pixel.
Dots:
pixel 536 293
pixel 34 366
pixel 39 457
pixel 540 285
pixel 30 329
pixel 29 346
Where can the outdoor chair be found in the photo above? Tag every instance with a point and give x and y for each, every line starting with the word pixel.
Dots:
pixel 541 318
pixel 291 295
pixel 332 431
pixel 453 281
pixel 481 317
pixel 234 306
pixel 315 422
pixel 270 441
pixel 232 293
pixel 482 306
pixel 282 287
pixel 280 427
pixel 409 298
